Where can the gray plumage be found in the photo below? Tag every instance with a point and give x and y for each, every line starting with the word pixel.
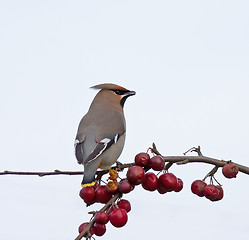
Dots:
pixel 101 132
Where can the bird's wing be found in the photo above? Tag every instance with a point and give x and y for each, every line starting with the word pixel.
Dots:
pixel 102 146
pixel 99 148
pixel 78 146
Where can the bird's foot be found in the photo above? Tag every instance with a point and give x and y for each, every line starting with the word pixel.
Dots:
pixel 119 166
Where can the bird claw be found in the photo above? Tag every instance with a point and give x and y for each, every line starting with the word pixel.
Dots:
pixel 119 166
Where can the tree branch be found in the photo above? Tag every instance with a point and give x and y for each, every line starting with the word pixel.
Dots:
pixel 42 174
pixel 202 159
pixel 59 172
pixel 169 159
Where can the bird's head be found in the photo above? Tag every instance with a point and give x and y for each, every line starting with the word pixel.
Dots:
pixel 114 94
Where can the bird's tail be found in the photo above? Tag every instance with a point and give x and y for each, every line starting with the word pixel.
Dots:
pixel 87 182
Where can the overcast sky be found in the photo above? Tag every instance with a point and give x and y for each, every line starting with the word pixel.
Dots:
pixel 188 61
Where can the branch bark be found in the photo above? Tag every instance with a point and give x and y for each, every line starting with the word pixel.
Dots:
pixel 170 159
pixel 42 174
pixel 202 159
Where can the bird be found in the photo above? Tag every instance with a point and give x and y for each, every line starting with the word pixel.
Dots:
pixel 101 132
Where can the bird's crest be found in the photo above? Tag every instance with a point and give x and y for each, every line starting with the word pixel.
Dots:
pixel 109 86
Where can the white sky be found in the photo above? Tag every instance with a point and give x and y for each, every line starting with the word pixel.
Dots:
pixel 188 61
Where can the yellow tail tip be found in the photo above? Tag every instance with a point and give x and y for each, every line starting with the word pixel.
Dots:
pixel 87 184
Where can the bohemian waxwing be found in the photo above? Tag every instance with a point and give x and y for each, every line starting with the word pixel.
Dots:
pixel 101 132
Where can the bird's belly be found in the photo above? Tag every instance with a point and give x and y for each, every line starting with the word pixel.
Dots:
pixel 111 155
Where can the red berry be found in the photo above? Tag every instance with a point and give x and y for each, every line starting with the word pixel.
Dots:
pixel 88 195
pixel 167 181
pixel 135 175
pixel 197 187
pixel 221 193
pixel 157 163
pixel 124 204
pixel 100 229
pixel 101 217
pixel 102 194
pixel 211 192
pixel 110 209
pixel 150 182
pixel 118 217
pixel 161 190
pixel 84 225
pixel 142 159
pixel 179 185
pixel 230 170
pixel 112 186
pixel 124 186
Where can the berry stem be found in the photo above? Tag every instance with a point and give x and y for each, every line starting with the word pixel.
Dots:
pixel 168 165
pixel 211 173
pixel 216 181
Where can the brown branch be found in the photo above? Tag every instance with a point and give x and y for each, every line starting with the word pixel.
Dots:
pixel 86 231
pixel 58 172
pixel 203 159
pixel 42 174
pixel 169 159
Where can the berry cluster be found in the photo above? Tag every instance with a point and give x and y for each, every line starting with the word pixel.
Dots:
pixel 117 215
pixel 166 182
pixel 211 191
pixel 136 175
pixel 152 174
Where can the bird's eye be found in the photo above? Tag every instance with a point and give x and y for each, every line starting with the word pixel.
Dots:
pixel 118 92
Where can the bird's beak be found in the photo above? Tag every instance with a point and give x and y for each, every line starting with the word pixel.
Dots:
pixel 125 96
pixel 130 93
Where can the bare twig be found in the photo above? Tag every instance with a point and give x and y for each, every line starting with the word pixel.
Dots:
pixel 194 149
pixel 198 150
pixel 154 149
